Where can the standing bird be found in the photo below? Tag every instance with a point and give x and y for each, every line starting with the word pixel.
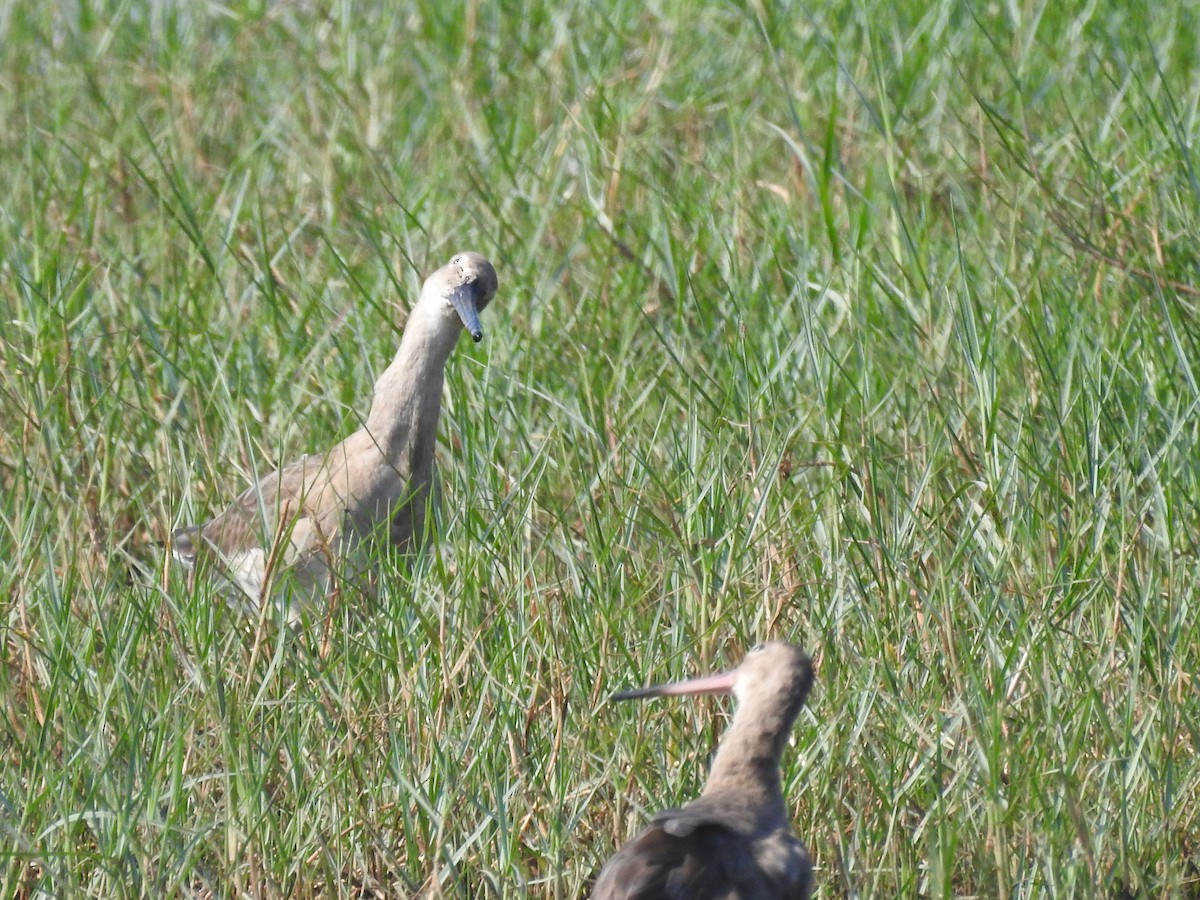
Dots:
pixel 372 487
pixel 733 842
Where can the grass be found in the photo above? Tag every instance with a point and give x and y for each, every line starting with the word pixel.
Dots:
pixel 869 326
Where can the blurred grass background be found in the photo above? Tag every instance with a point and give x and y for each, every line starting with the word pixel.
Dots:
pixel 870 326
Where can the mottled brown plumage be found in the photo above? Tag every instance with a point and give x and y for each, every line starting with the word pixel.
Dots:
pixel 294 524
pixel 733 842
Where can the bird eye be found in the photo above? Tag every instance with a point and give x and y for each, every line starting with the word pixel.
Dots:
pixel 758 648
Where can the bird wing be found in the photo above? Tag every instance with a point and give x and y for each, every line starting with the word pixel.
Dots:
pixel 691 854
pixel 278 507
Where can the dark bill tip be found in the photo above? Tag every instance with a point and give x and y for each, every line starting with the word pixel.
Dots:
pixel 477 336
pixel 634 694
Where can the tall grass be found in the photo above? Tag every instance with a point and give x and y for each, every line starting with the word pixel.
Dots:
pixel 873 327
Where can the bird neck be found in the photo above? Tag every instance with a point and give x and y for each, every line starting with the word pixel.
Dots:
pixel 408 395
pixel 747 759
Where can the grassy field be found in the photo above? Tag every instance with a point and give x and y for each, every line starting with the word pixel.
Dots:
pixel 871 326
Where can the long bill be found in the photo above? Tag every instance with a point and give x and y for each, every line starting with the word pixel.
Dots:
pixel 709 684
pixel 465 300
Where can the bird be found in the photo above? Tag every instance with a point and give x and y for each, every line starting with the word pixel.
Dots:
pixel 370 489
pixel 734 841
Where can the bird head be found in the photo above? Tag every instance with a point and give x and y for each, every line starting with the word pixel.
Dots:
pixel 466 285
pixel 775 671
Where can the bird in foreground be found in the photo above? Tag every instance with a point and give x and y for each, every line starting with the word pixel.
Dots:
pixel 734 841
pixel 371 488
